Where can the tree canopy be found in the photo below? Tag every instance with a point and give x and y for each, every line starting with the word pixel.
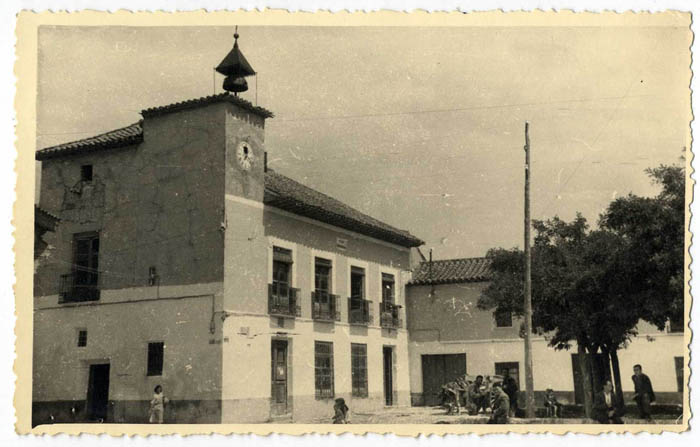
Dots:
pixel 593 286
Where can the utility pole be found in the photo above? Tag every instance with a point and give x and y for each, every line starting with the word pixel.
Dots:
pixel 529 382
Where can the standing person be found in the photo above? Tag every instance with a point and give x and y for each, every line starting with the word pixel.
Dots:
pixel 643 392
pixel 501 405
pixel 157 406
pixel 605 407
pixel 510 386
pixel 341 411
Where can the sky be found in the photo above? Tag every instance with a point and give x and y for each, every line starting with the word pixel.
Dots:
pixel 422 128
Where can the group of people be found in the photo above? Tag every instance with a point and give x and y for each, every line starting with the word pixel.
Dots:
pixel 501 397
pixel 609 408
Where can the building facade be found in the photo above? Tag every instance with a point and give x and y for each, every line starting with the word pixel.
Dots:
pixel 182 261
pixel 450 336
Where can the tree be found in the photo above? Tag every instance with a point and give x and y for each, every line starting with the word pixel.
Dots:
pixel 572 297
pixel 654 229
pixel 593 286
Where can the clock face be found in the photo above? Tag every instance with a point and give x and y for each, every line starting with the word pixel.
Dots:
pixel 244 155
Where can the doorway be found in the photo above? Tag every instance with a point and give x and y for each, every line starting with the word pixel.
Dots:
pixel 279 378
pixel 439 369
pixel 98 392
pixel 388 354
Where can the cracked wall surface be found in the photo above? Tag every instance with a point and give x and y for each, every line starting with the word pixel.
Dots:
pixel 158 204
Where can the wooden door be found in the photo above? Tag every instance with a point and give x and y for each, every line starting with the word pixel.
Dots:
pixel 439 369
pixel 279 378
pixel 388 375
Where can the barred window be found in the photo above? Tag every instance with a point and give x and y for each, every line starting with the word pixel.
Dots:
pixel 358 361
pixel 324 370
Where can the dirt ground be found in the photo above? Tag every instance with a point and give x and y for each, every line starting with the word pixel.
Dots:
pixel 437 415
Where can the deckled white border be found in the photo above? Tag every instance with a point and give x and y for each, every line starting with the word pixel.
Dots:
pixel 7 180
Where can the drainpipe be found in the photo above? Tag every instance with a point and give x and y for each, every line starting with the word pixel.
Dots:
pixel 430 274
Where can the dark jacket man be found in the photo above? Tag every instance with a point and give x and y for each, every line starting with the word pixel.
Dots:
pixel 643 392
pixel 510 386
pixel 501 406
pixel 605 406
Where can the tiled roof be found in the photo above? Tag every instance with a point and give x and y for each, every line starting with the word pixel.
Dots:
pixel 193 103
pixel 134 133
pixel 290 195
pixel 450 271
pixel 125 136
pixel 280 191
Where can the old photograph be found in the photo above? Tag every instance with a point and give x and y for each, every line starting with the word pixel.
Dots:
pixel 254 223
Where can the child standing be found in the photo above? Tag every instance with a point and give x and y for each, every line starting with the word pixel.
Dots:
pixel 157 406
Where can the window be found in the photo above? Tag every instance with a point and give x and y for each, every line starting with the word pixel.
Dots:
pixel 357 283
pixel 82 284
pixel 324 306
pixel 281 271
pixel 86 173
pixel 388 288
pixel 679 373
pixel 324 370
pixel 155 359
pixel 82 338
pixel 506 369
pixel 676 324
pixel 504 318
pixel 358 362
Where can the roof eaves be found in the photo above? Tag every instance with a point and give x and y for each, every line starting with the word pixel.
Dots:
pixel 312 211
pixel 198 102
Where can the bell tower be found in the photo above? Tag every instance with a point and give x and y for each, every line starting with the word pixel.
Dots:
pixel 236 68
pixel 245 129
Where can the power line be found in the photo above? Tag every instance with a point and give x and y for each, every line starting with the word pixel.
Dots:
pixel 457 109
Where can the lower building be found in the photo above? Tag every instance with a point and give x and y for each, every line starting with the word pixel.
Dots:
pixel 449 336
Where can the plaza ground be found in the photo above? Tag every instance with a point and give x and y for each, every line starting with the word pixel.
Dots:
pixel 437 415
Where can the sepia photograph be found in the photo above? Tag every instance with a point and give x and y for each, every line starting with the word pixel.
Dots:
pixel 255 223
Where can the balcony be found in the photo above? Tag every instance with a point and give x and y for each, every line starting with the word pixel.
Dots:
pixel 324 306
pixel 359 311
pixel 79 286
pixel 389 315
pixel 283 302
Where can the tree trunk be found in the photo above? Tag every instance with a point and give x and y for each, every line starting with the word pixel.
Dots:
pixel 616 377
pixel 585 365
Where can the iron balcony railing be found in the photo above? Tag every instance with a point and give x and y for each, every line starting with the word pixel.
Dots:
pixel 79 286
pixel 359 311
pixel 324 306
pixel 283 301
pixel 390 315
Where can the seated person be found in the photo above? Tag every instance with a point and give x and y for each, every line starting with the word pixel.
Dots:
pixel 479 396
pixel 605 406
pixel 341 411
pixel 551 405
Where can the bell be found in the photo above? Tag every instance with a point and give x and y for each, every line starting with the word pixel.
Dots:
pixel 235 84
